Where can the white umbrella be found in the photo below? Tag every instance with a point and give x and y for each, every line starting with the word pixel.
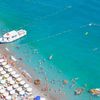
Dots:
pixel 0 77
pixel 19 79
pixel 2 60
pixel 26 85
pixel 15 85
pixel 6 75
pixel 29 89
pixel 10 69
pixel 4 63
pixel 19 89
pixel 16 75
pixel 1 87
pixel 7 66
pixel 22 82
pixel 3 81
pixel 2 91
pixel 22 92
pixel 1 68
pixel 12 82
pixel 6 94
pixel 9 79
pixel 3 72
pixel 12 92
pixel 8 97
pixel 43 98
pixel 9 88
pixel 13 72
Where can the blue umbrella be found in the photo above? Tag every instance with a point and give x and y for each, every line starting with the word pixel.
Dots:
pixel 37 98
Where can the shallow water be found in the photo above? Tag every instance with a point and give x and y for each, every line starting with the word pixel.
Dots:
pixel 58 28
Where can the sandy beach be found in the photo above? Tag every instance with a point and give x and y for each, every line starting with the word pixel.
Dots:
pixel 37 90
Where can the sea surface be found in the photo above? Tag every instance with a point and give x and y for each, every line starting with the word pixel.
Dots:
pixel 69 30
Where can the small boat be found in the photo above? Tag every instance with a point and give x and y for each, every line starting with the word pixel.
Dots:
pixel 95 91
pixel 12 36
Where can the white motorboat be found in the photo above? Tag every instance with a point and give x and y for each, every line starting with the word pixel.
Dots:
pixel 95 91
pixel 12 36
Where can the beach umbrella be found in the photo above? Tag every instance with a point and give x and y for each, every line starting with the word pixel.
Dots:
pixel 12 82
pixel 26 85
pixel 12 92
pixel 15 85
pixel 29 89
pixel 16 75
pixel 2 91
pixel 9 88
pixel 4 63
pixel 5 93
pixel 22 92
pixel 19 89
pixel 22 82
pixel 9 79
pixel 3 72
pixel 1 87
pixel 0 77
pixel 2 60
pixel 10 69
pixel 39 98
pixel 3 81
pixel 7 66
pixel 42 98
pixel 1 69
pixel 13 72
pixel 19 79
pixel 6 75
pixel 8 97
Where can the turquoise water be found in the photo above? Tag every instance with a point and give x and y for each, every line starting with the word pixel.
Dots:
pixel 58 27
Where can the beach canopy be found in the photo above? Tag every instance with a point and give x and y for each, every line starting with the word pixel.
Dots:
pixel 3 81
pixel 22 92
pixel 9 78
pixel 39 98
pixel 9 88
pixel 12 92
pixel 26 85
pixel 2 60
pixel 1 69
pixel 0 77
pixel 15 85
pixel 19 79
pixel 2 91
pixel 16 75
pixel 12 82
pixel 19 89
pixel 8 97
pixel 13 72
pixel 7 66
pixel 6 75
pixel 22 82
pixel 29 89
pixel 1 87
pixel 6 94
pixel 4 63
pixel 3 72
pixel 9 69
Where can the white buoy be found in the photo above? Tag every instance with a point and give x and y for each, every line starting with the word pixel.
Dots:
pixel 50 57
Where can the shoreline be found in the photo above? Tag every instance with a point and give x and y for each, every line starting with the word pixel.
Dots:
pixel 49 94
